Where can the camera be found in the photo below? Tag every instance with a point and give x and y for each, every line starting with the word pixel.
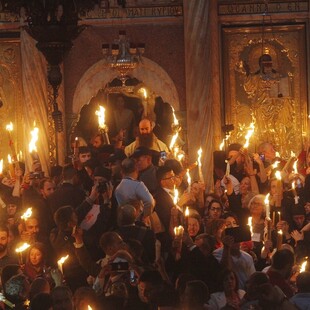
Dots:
pixel 102 187
pixel 36 175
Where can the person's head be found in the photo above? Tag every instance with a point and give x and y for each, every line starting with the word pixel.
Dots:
pixel 206 243
pixel 303 282
pixel 283 262
pixel 245 186
pixel 111 242
pixel 274 187
pixel 32 226
pixel 177 169
pixel 97 141
pixel 69 174
pixel 37 254
pixel 194 222
pixel 298 216
pixel 231 220
pixel 62 298
pixel 126 215
pixel 38 286
pixel 84 154
pixel 145 127
pixel 41 301
pixel 83 297
pixel 165 177
pixel 267 150
pixel 143 158
pixel 233 151
pixel 215 210
pixel 148 281
pixel 16 289
pixel 11 209
pixel 129 168
pixel 307 207
pixel 8 272
pixel 47 187
pixel 208 198
pixel 102 175
pixel 257 206
pixel 65 218
pixel 196 294
pixel 4 238
pixel 228 281
pixel 253 283
pixel 56 174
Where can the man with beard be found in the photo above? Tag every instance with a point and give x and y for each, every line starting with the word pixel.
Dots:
pixel 146 138
pixel 5 259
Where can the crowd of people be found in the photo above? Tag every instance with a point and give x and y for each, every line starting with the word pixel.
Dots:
pixel 130 243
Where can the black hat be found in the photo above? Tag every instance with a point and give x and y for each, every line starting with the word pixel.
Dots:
pixel 103 172
pixel 118 155
pixel 142 151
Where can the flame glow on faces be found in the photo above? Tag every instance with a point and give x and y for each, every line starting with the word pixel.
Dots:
pixel 199 152
pixel 34 138
pixel 278 175
pixel 27 214
pixel 22 248
pixel 101 117
pixel 9 127
pixel 249 135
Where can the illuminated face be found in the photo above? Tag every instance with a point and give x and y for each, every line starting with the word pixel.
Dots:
pixel 97 142
pixel 35 257
pixel 3 240
pixel 32 226
pixel 230 282
pixel 11 210
pixel 145 127
pixel 143 162
pixel 193 226
pixel 239 158
pixel 257 208
pixel 84 157
pixel 273 187
pixel 168 181
pixel 299 220
pixel 245 185
pixel 269 152
pixel 48 189
pixel 215 210
pixel 307 207
pixel 231 222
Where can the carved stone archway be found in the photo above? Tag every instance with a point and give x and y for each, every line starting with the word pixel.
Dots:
pixel 150 73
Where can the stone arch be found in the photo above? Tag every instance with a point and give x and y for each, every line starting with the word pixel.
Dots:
pixel 150 73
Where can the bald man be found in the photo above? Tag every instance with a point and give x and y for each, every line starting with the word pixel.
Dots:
pixel 146 138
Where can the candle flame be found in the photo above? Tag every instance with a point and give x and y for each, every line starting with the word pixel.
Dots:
pixel 222 145
pixel 278 154
pixel 275 164
pixel 62 259
pixel 20 156
pixel 176 196
pixel 175 120
pixel 22 248
pixel 180 156
pixel 27 214
pixel 178 230
pixel 267 199
pixel 293 154
pixel 34 138
pixel 199 152
pixel 1 166
pixel 189 179
pixel 173 140
pixel 76 139
pixel 278 175
pixel 9 159
pixel 9 127
pixel 280 232
pixel 293 185
pixel 101 117
pixel 187 211
pixel 89 307
pixel 249 135
pixel 295 167
pixel 250 224
pixel 303 266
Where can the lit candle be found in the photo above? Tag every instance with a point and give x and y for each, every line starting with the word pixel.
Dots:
pixel 27 214
pixel 189 180
pixel 178 231
pixel 61 261
pixel 279 215
pixel 279 189
pixel 279 239
pixel 11 167
pixel 89 307
pixel 176 196
pixel 1 167
pixel 303 267
pixel 249 135
pixel 278 155
pixel 101 123
pixel 275 164
pixel 186 213
pixel 227 168
pixel 20 251
pixel 295 170
pixel 222 145
pixel 33 143
pixel 173 141
pixel 199 152
pixel 250 224
pixel 267 206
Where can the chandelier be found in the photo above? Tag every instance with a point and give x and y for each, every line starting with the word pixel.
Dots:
pixel 123 56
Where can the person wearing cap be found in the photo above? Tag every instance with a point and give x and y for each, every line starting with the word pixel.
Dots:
pixel 146 138
pixel 146 169
pixel 130 188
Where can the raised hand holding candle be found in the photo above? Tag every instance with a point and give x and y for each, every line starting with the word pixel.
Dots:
pixel 101 123
pixel 20 251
